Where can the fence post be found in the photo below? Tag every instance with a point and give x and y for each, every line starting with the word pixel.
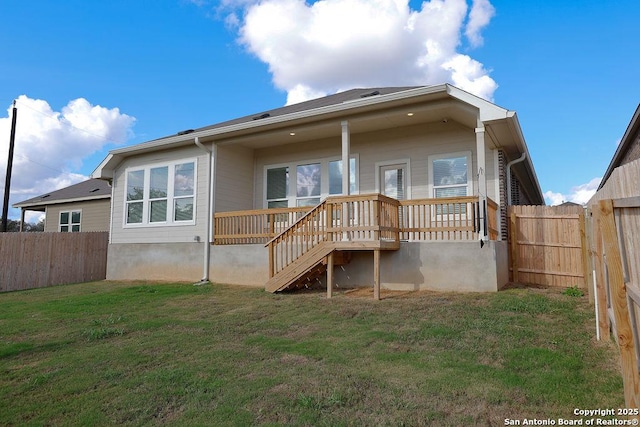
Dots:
pixel 513 238
pixel 603 315
pixel 620 306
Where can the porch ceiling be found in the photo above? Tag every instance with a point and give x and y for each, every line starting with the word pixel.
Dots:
pixel 400 116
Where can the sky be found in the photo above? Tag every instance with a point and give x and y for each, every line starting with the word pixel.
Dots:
pixel 89 77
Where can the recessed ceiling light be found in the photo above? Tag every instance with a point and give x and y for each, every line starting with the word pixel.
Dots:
pixel 292 133
pixel 409 114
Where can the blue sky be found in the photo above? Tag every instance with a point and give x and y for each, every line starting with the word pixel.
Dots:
pixel 148 69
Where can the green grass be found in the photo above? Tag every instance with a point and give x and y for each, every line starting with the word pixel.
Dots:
pixel 146 354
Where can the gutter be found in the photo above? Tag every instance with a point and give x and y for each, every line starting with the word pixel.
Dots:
pixel 211 204
pixel 513 162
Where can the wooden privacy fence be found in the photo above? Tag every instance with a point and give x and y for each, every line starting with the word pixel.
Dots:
pixel 617 263
pixel 548 245
pixel 36 260
pixel 615 248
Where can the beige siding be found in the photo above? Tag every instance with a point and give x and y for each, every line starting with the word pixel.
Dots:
pixel 162 234
pixel 234 178
pixel 94 217
pixel 416 143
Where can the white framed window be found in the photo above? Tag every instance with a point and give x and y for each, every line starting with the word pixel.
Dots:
pixel 450 175
pixel 161 194
pixel 277 187
pixel 314 181
pixel 70 221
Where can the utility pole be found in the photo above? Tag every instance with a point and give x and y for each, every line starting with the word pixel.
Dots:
pixel 7 182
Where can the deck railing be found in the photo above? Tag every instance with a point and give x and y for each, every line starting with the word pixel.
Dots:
pixel 454 218
pixel 254 226
pixel 354 221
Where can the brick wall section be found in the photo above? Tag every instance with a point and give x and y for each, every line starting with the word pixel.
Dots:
pixel 502 172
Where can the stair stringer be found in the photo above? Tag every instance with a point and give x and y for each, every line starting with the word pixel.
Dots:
pixel 299 267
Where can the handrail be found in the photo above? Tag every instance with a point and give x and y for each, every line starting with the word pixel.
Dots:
pixel 297 221
pixel 360 220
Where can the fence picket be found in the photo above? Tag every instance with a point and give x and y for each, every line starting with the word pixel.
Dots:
pixel 36 260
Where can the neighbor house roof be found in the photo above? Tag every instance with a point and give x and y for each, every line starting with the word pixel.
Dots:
pixel 372 108
pixel 91 189
pixel 631 135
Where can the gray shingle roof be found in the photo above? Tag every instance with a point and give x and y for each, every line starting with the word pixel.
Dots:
pixel 86 190
pixel 325 101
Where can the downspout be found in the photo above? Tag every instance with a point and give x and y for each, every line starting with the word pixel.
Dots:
pixel 210 200
pixel 513 162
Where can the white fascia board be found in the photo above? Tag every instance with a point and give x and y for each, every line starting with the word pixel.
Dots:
pixel 488 110
pixel 106 167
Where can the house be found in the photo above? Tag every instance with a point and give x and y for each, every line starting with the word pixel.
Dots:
pixel 80 207
pixel 402 187
pixel 628 150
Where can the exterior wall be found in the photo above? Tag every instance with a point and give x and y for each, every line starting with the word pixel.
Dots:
pixel 234 178
pixel 502 189
pixel 180 262
pixel 633 153
pixel 438 266
pixel 239 264
pixel 160 233
pixel 518 196
pixel 415 143
pixel 94 217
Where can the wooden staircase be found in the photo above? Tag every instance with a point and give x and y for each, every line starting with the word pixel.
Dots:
pixel 307 270
pixel 299 255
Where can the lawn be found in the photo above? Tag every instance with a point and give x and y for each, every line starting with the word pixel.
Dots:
pixel 111 353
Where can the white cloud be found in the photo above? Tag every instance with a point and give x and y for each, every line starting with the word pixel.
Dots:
pixel 322 47
pixel 579 194
pixel 481 13
pixel 50 146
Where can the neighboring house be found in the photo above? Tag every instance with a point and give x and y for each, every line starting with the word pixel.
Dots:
pixel 629 148
pixel 80 207
pixel 424 174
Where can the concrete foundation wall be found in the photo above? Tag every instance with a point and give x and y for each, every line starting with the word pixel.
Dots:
pixel 155 261
pixel 439 266
pixel 239 265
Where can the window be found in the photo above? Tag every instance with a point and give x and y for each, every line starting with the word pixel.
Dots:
pixel 161 195
pixel 449 175
pixel 277 187
pixel 70 221
pixel 308 185
pixel 314 181
pixel 335 176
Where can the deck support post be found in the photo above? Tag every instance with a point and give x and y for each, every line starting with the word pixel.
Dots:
pixel 376 274
pixel 330 275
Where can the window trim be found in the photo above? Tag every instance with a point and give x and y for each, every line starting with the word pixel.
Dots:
pixel 70 224
pixel 431 158
pixel 171 197
pixel 291 197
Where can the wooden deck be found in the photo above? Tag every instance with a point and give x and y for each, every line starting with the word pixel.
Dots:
pixel 302 241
